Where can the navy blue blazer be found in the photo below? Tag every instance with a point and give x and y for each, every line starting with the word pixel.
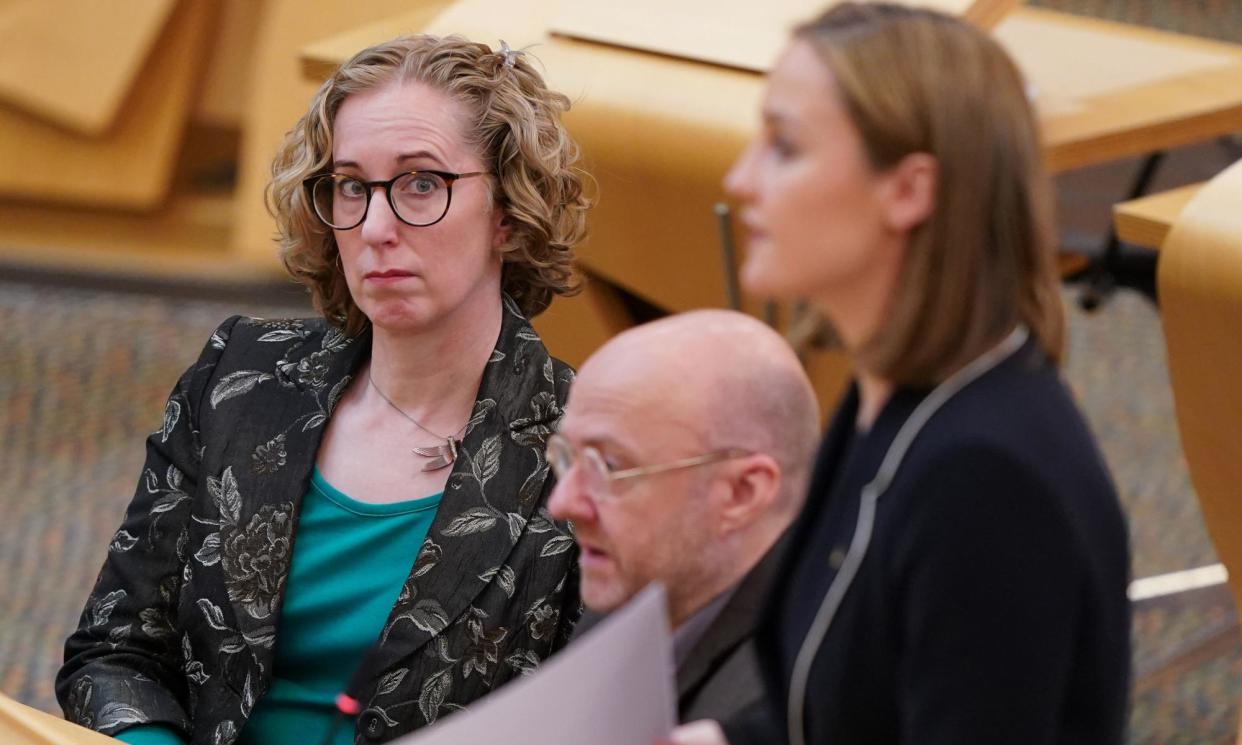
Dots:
pixel 990 605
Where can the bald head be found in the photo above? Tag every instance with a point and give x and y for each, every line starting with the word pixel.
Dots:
pixel 723 380
pixel 690 440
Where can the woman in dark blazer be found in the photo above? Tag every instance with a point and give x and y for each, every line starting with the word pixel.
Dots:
pixel 362 491
pixel 959 575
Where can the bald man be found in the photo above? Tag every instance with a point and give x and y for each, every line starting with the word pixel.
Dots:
pixel 682 457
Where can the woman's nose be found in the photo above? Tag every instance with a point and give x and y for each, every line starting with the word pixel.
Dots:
pixel 738 182
pixel 379 227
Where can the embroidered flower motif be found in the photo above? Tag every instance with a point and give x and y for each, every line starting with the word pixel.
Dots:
pixel 534 430
pixel 270 456
pixel 312 370
pixel 256 558
pixel 484 651
pixel 542 621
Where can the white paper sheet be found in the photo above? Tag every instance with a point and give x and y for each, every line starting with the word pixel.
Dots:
pixel 614 686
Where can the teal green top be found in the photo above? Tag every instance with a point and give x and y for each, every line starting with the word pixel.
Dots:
pixel 350 559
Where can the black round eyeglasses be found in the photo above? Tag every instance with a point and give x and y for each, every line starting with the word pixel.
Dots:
pixel 417 198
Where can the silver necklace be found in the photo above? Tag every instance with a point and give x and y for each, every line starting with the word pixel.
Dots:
pixel 441 455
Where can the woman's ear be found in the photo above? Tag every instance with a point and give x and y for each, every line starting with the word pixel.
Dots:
pixel 501 229
pixel 752 485
pixel 910 191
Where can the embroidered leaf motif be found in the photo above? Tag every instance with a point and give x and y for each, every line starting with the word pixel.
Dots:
pixel 504 577
pixel 435 691
pixel 557 545
pixel 247 701
pixel 173 476
pixel 547 370
pixel 209 554
pixel 283 335
pixel 497 356
pixel 389 682
pixel 215 618
pixel 116 713
pixel 481 409
pixel 440 649
pixel 218 339
pixel 334 395
pixel 487 461
pixel 225 734
pixel 172 413
pixel 151 481
pixel 524 661
pixel 118 635
pixel 542 523
pixel 224 493
pixel 233 645
pixel 314 421
pixel 473 520
pixel 335 340
pixel 516 524
pixel 428 556
pixel 168 502
pixel 155 624
pixel 427 615
pixel 122 542
pixel 264 636
pixel 101 611
pixel 532 487
pixel 235 384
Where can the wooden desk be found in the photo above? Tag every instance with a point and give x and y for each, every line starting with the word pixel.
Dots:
pixel 1110 90
pixel 23 725
pixel 1146 221
pixel 659 132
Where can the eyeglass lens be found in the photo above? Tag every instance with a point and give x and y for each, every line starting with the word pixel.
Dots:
pixel 418 198
pixel 592 471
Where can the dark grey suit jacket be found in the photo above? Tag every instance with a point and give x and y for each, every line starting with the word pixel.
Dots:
pixel 721 676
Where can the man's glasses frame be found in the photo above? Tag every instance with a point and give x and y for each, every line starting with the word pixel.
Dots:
pixel 448 177
pixel 562 456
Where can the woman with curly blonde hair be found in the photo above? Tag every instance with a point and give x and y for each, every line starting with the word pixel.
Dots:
pixel 362 492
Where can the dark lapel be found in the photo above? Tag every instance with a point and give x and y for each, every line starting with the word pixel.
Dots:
pixel 736 623
pixel 492 494
pixel 270 419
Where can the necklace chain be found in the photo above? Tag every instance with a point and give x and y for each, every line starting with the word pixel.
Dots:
pixel 442 455
pixel 402 412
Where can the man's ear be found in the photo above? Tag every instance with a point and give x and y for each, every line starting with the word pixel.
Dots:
pixel 752 484
pixel 909 191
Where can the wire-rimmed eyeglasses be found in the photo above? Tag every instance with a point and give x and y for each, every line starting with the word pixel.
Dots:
pixel 417 198
pixel 597 474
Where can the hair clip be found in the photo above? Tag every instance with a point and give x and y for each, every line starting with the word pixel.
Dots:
pixel 509 55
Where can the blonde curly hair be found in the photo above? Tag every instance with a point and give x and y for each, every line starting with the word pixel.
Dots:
pixel 519 136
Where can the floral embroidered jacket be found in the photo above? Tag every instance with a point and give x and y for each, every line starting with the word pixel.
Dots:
pixel 180 627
